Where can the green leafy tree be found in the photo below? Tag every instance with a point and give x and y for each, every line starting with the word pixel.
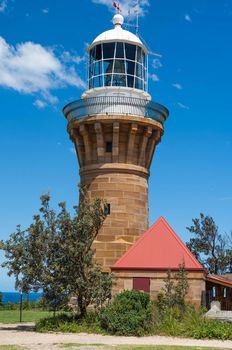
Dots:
pixel 55 254
pixel 209 246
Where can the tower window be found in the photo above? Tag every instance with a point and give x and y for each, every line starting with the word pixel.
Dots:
pixel 109 147
pixel 107 209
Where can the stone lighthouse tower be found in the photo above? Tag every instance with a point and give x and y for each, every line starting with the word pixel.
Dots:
pixel 115 128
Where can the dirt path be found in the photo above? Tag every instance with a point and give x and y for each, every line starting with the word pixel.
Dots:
pixel 22 334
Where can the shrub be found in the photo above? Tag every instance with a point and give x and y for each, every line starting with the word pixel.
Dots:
pixel 128 314
pixel 174 291
pixel 70 323
pixel 191 323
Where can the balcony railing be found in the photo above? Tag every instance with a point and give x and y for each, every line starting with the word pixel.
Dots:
pixel 115 105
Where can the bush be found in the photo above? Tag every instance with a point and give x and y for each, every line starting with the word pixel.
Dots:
pixel 70 323
pixel 191 323
pixel 128 314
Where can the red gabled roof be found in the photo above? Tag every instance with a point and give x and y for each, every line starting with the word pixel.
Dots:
pixel 159 248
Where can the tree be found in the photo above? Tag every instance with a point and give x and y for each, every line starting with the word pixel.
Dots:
pixel 55 254
pixel 174 291
pixel 210 247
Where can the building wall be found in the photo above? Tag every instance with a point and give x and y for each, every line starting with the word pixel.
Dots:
pixel 196 280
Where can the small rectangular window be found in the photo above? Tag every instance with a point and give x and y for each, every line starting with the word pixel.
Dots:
pixel 107 209
pixel 225 292
pixel 109 147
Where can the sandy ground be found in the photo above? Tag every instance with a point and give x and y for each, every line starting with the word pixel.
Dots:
pixel 22 334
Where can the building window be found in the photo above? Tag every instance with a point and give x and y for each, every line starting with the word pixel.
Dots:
pixel 225 292
pixel 109 147
pixel 107 209
pixel 214 292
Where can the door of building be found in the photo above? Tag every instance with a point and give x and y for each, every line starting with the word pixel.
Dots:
pixel 141 283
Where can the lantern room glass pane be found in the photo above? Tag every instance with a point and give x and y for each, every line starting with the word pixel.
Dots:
pixel 119 50
pixel 90 83
pixel 139 55
pixel 130 67
pixel 91 55
pixel 130 51
pixel 98 54
pixel 98 68
pixel 107 79
pixel 139 70
pixel 108 50
pixel 119 66
pixel 98 81
pixel 138 83
pixel 130 81
pixel 119 80
pixel 108 66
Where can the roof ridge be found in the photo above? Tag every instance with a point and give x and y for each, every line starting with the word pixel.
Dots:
pixel 164 226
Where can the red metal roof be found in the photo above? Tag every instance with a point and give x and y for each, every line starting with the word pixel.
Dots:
pixel 219 280
pixel 159 248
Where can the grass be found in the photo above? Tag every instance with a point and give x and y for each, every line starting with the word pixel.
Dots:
pixel 12 316
pixel 137 347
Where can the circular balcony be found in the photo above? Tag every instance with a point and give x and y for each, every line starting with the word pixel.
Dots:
pixel 115 105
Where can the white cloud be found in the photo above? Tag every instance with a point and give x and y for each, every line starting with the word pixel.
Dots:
pixel 181 105
pixel 156 63
pixel 3 5
pixel 177 86
pixel 40 104
pixel 125 5
pixel 45 11
pixel 30 68
pixel 68 57
pixel 187 18
pixel 153 77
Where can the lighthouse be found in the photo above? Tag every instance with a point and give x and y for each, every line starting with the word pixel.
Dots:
pixel 115 127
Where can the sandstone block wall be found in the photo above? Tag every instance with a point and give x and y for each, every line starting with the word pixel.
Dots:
pixel 196 280
pixel 115 154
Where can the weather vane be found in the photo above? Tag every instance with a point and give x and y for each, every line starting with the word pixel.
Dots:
pixel 117 6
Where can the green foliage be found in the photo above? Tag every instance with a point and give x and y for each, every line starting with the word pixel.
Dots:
pixel 174 291
pixel 70 324
pixel 54 254
pixel 128 314
pixel 211 248
pixel 191 323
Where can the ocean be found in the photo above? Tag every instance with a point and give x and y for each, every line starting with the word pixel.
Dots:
pixel 14 297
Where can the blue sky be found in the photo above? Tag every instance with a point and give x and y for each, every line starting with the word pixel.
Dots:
pixel 42 68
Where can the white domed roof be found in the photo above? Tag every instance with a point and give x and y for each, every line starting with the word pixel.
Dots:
pixel 118 34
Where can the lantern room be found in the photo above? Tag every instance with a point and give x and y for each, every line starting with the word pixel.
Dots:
pixel 117 58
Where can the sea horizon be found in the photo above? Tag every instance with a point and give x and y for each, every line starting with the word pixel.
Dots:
pixel 14 297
